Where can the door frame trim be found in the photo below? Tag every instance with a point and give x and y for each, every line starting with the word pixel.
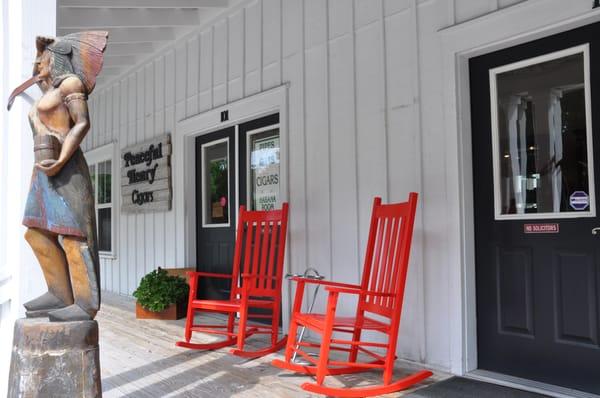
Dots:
pixel 265 103
pixel 529 20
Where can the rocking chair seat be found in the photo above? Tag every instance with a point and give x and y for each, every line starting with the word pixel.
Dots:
pixel 340 323
pixel 230 305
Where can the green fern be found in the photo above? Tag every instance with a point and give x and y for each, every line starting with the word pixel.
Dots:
pixel 158 290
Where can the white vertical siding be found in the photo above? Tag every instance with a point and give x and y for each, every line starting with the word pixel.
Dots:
pixel 293 72
pixel 365 119
pixel 220 65
pixel 316 133
pixel 342 137
pixel 434 179
pixel 253 47
pixel 271 43
pixel 235 79
pixel 193 58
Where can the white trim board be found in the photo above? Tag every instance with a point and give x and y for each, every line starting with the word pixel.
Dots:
pixel 265 103
pixel 528 21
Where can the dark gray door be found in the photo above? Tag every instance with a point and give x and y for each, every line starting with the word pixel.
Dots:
pixel 222 184
pixel 215 210
pixel 535 169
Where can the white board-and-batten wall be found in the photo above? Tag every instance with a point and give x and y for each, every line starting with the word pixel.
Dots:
pixel 365 118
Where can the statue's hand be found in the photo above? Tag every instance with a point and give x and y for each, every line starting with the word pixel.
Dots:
pixel 49 167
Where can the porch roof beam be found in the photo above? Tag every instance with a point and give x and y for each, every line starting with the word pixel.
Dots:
pixel 143 3
pixel 108 70
pixel 128 48
pixel 86 18
pixel 132 35
pixel 119 60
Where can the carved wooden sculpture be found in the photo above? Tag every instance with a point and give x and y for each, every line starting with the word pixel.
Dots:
pixel 60 213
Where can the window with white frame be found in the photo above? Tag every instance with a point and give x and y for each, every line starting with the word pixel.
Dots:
pixel 100 163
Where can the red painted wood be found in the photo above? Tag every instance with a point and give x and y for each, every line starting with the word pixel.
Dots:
pixel 380 293
pixel 256 283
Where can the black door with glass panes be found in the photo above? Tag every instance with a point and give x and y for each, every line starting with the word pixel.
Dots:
pixel 215 210
pixel 225 179
pixel 535 111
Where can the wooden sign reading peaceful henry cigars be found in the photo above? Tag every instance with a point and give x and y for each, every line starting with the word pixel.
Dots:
pixel 146 176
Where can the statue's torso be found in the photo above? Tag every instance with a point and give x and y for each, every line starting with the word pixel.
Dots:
pixel 50 115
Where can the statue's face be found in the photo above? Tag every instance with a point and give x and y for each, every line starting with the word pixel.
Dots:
pixel 43 65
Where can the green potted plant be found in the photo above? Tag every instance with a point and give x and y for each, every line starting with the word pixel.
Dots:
pixel 161 296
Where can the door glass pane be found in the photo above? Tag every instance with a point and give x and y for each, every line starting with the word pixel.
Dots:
pixel 215 179
pixel 93 178
pixel 104 182
pixel 104 229
pixel 541 157
pixel 264 170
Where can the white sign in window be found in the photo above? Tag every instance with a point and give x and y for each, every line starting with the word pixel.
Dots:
pixel 264 170
pixel 541 137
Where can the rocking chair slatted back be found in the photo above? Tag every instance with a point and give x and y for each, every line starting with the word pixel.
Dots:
pixel 386 257
pixel 259 252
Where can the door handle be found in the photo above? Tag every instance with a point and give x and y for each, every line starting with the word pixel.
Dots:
pixel 596 231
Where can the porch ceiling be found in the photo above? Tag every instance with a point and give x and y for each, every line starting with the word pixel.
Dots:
pixel 136 28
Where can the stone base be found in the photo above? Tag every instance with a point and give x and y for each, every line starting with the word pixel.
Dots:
pixel 55 359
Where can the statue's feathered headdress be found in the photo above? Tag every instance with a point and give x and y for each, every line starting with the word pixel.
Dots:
pixel 84 50
pixel 81 53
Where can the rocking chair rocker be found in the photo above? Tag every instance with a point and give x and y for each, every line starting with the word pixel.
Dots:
pixel 258 265
pixel 380 293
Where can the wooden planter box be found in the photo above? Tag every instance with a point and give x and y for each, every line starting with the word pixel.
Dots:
pixel 182 272
pixel 171 313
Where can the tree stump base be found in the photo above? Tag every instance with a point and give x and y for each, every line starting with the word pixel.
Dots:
pixel 55 359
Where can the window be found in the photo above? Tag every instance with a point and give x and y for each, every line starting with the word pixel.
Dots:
pixel 101 173
pixel 263 171
pixel 542 137
pixel 215 183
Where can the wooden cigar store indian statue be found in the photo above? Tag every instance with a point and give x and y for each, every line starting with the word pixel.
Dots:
pixel 59 213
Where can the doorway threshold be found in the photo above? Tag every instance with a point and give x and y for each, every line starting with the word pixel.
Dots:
pixel 527 385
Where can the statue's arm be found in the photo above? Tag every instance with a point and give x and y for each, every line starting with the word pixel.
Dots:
pixel 73 93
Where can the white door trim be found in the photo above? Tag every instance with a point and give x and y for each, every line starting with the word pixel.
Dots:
pixel 513 25
pixel 267 102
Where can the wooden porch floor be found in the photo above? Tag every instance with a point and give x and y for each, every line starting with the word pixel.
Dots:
pixel 139 359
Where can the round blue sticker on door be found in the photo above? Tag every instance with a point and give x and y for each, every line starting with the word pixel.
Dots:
pixel 579 200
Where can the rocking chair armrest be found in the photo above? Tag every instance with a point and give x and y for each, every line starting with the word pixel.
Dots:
pixel 358 291
pixel 324 282
pixel 209 274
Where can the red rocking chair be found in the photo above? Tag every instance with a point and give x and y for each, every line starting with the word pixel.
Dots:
pixel 258 265
pixel 380 293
